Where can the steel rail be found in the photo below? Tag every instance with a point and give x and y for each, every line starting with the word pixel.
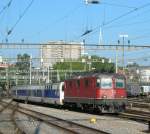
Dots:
pixel 139 104
pixel 59 123
pixel 4 106
pixel 139 112
pixel 9 105
pixel 137 115
pixel 67 125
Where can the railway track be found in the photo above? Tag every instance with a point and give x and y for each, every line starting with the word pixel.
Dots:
pixel 139 99
pixel 139 105
pixel 4 105
pixel 137 115
pixel 70 127
pixel 143 104
pixel 66 126
pixel 10 110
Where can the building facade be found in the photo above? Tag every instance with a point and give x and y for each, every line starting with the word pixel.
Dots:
pixel 59 51
pixel 139 74
pixel 144 74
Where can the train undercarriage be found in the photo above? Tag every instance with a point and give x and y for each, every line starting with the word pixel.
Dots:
pixel 99 106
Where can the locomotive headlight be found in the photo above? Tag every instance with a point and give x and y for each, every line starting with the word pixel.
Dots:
pixel 104 96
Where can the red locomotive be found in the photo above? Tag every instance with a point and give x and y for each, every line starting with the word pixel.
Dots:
pixel 100 92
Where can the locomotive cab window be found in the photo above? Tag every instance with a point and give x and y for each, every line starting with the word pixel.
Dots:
pixel 106 83
pixel 119 83
pixel 98 82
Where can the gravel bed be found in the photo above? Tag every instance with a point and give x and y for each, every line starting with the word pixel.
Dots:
pixel 27 124
pixel 32 126
pixel 6 125
pixel 1 106
pixel 106 123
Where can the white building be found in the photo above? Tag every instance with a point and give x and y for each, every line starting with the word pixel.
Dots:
pixel 145 74
pixel 59 51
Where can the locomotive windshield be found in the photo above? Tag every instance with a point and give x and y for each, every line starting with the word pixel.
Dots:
pixel 104 83
pixel 120 83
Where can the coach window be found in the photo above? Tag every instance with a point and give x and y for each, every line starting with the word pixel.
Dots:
pixel 34 93
pixel 29 92
pixel 142 89
pixel 39 93
pixel 106 83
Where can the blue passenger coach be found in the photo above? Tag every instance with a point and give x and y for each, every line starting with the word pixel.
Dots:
pixel 49 93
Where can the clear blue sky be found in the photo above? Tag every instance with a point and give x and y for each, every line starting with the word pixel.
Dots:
pixel 67 20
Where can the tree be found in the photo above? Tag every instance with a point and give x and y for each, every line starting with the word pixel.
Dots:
pixel 103 67
pixel 133 65
pixel 90 63
pixel 23 62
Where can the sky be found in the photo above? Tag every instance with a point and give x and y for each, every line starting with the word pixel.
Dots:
pixel 67 20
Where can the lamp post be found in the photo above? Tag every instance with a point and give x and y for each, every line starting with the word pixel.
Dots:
pixel 123 36
pixel 70 60
pixel 17 78
pixel 7 76
pixel 51 74
pixel 89 62
pixel 117 57
pixel 30 69
pixel 48 74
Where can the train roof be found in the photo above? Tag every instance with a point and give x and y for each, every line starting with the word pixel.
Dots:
pixel 32 87
pixel 97 75
pixel 29 87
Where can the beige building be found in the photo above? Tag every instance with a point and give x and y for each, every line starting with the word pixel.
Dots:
pixel 59 51
pixel 145 74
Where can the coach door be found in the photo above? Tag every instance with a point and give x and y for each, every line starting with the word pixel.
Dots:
pixel 61 89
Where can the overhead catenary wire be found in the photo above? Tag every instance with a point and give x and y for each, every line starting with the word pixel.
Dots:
pixel 117 5
pixel 5 7
pixel 119 17
pixel 37 45
pixel 129 24
pixel 20 17
pixel 127 13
